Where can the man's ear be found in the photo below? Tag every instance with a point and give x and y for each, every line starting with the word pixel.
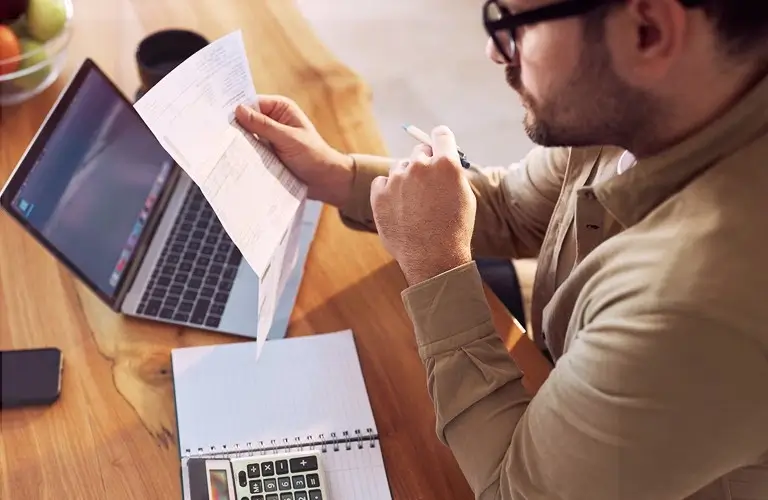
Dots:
pixel 650 37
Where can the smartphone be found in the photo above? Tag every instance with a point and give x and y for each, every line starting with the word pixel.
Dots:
pixel 30 377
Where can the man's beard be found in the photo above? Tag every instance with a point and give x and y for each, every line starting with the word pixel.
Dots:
pixel 594 107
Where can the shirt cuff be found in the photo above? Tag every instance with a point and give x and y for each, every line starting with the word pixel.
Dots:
pixel 449 310
pixel 357 213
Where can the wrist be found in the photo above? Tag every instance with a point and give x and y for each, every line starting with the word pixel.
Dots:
pixel 337 183
pixel 428 268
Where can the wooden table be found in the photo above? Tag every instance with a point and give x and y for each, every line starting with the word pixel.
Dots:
pixel 112 433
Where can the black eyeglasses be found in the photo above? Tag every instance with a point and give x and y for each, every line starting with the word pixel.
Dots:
pixel 498 20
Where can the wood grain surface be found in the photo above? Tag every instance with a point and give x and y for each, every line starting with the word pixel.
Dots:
pixel 112 433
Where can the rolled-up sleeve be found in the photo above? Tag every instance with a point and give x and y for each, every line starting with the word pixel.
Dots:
pixel 635 409
pixel 514 203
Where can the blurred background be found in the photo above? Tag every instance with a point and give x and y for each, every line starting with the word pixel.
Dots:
pixel 417 57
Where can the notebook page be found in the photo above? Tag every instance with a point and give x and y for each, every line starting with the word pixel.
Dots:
pixel 300 387
pixel 356 473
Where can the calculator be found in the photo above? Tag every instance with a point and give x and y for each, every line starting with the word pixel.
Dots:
pixel 285 476
pixel 269 476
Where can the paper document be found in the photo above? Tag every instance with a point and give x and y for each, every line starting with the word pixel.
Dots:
pixel 273 282
pixel 257 199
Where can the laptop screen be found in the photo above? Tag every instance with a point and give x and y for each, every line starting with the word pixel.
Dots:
pixel 91 189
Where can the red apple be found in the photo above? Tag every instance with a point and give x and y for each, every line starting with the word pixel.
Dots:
pixel 10 50
pixel 10 10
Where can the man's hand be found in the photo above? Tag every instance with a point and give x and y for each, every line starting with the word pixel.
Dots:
pixel 425 210
pixel 326 171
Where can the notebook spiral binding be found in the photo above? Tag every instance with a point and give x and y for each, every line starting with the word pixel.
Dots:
pixel 333 442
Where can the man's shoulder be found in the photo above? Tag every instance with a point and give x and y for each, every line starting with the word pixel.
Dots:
pixel 717 219
pixel 738 182
pixel 703 253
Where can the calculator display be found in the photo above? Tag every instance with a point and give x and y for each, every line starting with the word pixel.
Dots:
pixel 219 480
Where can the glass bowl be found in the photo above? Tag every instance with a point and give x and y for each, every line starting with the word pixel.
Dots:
pixel 38 67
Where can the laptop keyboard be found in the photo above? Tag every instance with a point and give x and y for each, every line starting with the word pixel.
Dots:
pixel 193 277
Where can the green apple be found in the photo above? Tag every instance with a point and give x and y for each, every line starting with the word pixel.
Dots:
pixel 33 52
pixel 46 19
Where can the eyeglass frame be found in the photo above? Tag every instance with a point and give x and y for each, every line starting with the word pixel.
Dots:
pixel 560 10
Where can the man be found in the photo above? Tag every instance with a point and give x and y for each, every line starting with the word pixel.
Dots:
pixel 646 207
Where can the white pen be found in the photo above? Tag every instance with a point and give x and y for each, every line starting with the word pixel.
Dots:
pixel 425 139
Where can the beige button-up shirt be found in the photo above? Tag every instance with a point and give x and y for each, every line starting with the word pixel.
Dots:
pixel 651 294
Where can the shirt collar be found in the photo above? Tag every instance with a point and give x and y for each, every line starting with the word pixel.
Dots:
pixel 630 196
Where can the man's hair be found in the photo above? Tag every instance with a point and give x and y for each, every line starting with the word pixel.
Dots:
pixel 741 24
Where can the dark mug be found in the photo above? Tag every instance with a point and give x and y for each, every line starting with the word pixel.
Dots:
pixel 159 53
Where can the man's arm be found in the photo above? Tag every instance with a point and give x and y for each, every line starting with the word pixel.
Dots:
pixel 646 404
pixel 514 204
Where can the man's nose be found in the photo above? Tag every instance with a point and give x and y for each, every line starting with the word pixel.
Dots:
pixel 492 52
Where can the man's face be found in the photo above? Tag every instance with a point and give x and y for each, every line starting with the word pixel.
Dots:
pixel 564 75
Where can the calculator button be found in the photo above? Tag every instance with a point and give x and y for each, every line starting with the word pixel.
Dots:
pixel 270 485
pixel 315 495
pixel 253 470
pixel 267 469
pixel 281 466
pixel 286 496
pixel 256 486
pixel 284 483
pixel 300 495
pixel 302 464
pixel 272 497
pixel 256 497
pixel 298 482
pixel 243 480
pixel 313 480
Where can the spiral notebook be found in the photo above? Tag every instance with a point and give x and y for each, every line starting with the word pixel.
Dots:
pixel 303 393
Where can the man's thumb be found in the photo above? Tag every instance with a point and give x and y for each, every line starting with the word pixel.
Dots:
pixel 258 123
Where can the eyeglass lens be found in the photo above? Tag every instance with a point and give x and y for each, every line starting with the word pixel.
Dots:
pixel 502 38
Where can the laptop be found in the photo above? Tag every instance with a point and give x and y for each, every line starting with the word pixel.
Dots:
pixel 99 192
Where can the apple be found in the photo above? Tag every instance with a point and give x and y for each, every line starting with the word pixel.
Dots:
pixel 46 19
pixel 10 48
pixel 10 10
pixel 34 53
